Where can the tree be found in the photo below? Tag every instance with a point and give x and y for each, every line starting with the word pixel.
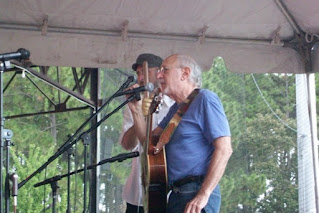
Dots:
pixel 264 154
pixel 38 137
pixel 35 199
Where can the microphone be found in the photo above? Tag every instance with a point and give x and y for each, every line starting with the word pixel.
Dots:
pixel 20 54
pixel 120 157
pixel 129 80
pixel 14 191
pixel 148 87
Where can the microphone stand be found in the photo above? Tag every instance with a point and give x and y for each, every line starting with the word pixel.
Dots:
pixel 2 69
pixel 7 136
pixel 72 140
pixel 83 136
pixel 54 187
pixel 4 63
pixel 53 180
pixel 70 153
pixel 86 140
pixel 4 134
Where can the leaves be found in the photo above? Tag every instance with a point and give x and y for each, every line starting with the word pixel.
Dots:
pixel 259 109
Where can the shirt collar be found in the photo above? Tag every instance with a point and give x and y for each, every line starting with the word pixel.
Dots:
pixel 168 101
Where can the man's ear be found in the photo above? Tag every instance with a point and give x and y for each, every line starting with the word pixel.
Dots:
pixel 185 73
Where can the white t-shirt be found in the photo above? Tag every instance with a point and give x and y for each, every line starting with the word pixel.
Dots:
pixel 132 192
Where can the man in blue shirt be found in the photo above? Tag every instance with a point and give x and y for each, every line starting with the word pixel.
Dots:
pixel 200 147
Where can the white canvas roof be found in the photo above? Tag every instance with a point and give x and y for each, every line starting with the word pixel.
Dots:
pixel 252 36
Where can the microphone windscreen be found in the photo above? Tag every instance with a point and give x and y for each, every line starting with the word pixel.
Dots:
pixel 25 54
pixel 134 78
pixel 149 87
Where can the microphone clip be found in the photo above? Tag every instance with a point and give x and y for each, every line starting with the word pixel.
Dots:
pixel 137 96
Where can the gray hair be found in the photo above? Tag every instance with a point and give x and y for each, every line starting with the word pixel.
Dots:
pixel 196 72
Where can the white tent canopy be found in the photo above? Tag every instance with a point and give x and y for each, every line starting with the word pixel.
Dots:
pixel 252 36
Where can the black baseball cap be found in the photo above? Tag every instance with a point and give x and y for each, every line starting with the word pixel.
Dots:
pixel 152 60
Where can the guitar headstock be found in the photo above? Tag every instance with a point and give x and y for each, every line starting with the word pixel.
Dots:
pixel 156 104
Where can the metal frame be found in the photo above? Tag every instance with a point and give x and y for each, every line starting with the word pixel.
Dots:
pixel 80 82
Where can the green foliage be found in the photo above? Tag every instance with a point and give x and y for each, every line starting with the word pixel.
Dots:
pixel 261 175
pixel 38 137
pixel 244 191
pixel 32 199
pixel 113 176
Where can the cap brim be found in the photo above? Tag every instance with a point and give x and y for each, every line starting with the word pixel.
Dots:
pixel 134 66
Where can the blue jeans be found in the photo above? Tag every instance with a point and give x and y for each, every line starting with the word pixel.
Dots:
pixel 180 196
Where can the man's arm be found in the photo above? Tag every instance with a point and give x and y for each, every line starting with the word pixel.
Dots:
pixel 129 140
pixel 138 113
pixel 138 130
pixel 139 125
pixel 221 155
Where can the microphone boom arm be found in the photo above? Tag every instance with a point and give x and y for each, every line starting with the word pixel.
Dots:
pixel 118 158
pixel 72 140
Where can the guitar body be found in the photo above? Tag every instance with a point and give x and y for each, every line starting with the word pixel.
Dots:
pixel 154 179
pixel 154 172
pixel 157 188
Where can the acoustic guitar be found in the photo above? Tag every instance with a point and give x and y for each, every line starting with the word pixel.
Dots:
pixel 154 173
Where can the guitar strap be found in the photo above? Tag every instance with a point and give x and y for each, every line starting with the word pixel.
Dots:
pixel 173 123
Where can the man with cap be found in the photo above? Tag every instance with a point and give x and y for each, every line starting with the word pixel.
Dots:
pixel 196 136
pixel 132 192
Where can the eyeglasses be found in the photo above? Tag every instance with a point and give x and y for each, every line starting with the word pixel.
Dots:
pixel 165 69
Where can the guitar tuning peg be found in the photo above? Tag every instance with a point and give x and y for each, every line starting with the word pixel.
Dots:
pixel 156 103
pixel 158 108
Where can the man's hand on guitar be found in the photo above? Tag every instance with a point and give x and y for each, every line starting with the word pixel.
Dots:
pixel 159 146
pixel 157 149
pixel 146 104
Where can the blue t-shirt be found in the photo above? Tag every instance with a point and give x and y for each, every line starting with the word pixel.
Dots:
pixel 190 148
